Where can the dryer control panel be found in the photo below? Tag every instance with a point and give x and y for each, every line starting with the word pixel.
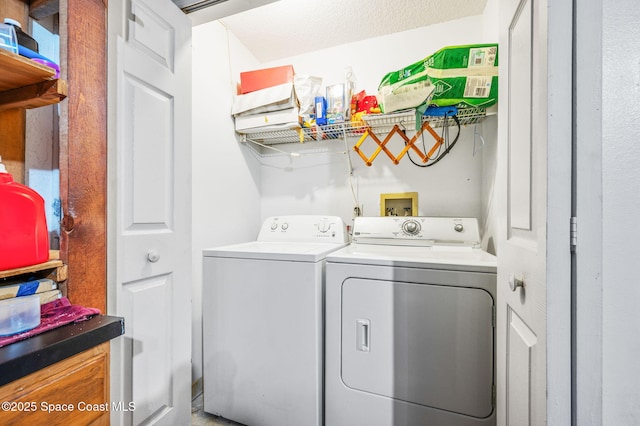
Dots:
pixel 304 228
pixel 414 230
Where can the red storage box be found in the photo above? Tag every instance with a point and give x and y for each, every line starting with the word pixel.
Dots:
pixel 250 81
pixel 24 237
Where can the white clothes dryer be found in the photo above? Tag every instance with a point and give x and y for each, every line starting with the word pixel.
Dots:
pixel 263 322
pixel 410 318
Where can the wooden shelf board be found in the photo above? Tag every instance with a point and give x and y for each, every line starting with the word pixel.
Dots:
pixel 53 263
pixel 36 95
pixel 18 71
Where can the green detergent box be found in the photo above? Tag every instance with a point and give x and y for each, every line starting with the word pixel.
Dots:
pixel 461 76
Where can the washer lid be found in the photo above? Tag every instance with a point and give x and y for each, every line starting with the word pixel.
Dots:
pixel 296 252
pixel 455 258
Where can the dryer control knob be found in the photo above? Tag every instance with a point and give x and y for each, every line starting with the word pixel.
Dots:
pixel 324 226
pixel 458 227
pixel 274 226
pixel 411 227
pixel 285 226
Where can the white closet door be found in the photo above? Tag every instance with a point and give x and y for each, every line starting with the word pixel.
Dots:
pixel 151 198
pixel 533 241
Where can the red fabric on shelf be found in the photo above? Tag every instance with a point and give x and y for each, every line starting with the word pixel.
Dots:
pixel 53 315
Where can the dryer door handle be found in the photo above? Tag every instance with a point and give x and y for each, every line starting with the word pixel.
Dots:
pixel 363 335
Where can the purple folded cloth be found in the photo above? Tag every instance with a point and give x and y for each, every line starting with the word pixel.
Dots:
pixel 53 315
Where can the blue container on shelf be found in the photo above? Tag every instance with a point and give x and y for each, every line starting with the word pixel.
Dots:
pixel 321 110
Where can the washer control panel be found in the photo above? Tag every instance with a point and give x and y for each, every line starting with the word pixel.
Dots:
pixel 416 230
pixel 304 228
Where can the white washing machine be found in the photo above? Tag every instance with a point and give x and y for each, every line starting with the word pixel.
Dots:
pixel 410 317
pixel 263 322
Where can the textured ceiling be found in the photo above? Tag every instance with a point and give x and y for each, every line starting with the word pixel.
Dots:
pixel 287 28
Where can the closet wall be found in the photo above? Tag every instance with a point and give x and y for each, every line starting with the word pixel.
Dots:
pixel 226 176
pixel 320 184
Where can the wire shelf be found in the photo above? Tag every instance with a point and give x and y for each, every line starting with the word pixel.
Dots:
pixel 379 123
pixel 308 134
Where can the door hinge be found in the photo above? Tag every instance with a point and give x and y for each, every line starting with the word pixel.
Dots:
pixel 573 233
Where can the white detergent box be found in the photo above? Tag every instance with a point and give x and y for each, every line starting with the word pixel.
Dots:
pixel 276 98
pixel 257 122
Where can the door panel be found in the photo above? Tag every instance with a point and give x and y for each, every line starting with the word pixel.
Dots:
pixel 425 344
pixel 152 34
pixel 520 340
pixel 149 312
pixel 149 116
pixel 520 62
pixel 152 197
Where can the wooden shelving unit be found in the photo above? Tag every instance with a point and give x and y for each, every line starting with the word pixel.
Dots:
pixel 76 356
pixel 27 84
pixel 54 269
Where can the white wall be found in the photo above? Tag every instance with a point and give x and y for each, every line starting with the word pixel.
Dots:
pixel 489 214
pixel 490 16
pixel 320 183
pixel 226 177
pixel 620 207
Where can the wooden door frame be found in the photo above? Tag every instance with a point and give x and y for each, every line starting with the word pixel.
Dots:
pixel 83 150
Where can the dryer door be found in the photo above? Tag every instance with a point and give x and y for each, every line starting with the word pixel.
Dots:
pixel 426 344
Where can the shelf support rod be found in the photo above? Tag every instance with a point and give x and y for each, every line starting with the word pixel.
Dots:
pixel 292 154
pixel 346 151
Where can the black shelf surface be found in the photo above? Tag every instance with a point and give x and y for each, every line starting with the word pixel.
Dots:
pixel 28 356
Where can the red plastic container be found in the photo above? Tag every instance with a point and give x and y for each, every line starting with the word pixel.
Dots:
pixel 24 237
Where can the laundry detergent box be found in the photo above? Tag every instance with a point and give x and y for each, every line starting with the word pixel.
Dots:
pixel 461 76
